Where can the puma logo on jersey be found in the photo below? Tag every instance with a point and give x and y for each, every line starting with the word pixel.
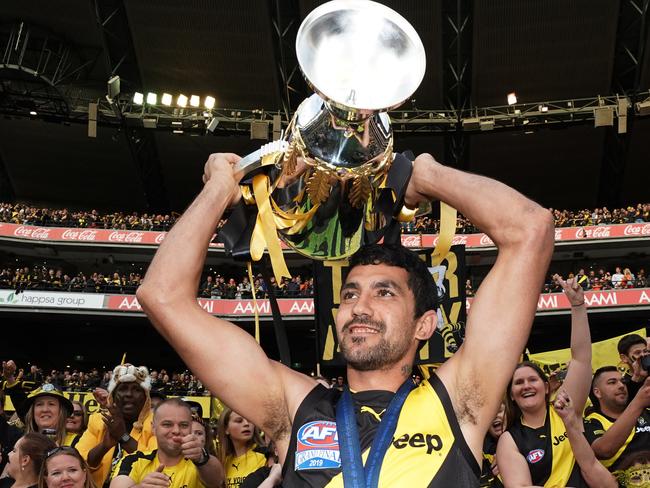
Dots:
pixel 236 466
pixel 372 412
pixel 432 442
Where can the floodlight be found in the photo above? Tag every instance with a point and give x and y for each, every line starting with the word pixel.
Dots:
pixel 195 100
pixel 603 116
pixel 150 122
pixel 113 87
pixel 543 108
pixel 212 125
pixel 209 102
pixel 182 100
pixel 138 98
pixel 486 123
pixel 471 123
pixel 166 99
pixel 512 98
pixel 643 108
pixel 152 98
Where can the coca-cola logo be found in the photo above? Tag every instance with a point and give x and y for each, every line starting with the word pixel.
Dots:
pixel 160 237
pixel 486 241
pixel 131 237
pixel 32 232
pixel 596 232
pixel 79 235
pixel 459 240
pixel 411 241
pixel 22 231
pixel 637 230
pixel 558 234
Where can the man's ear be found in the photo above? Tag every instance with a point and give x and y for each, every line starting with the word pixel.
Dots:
pixel 625 359
pixel 426 325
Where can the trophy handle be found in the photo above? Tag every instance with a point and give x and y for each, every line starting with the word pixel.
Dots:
pixel 253 161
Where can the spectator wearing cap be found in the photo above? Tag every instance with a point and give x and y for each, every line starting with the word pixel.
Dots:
pixel 125 426
pixel 45 411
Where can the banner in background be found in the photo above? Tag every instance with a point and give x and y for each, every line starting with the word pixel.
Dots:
pixel 51 299
pixel 450 279
pixel 154 238
pixel 603 353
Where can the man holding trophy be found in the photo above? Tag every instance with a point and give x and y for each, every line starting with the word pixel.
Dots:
pixel 328 180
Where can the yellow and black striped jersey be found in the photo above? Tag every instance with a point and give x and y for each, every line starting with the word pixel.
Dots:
pixel 548 452
pixel 427 449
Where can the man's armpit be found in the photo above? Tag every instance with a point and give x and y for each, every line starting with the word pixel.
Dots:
pixel 470 398
pixel 276 420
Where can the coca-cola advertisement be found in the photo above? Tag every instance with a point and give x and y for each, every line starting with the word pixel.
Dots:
pixel 425 241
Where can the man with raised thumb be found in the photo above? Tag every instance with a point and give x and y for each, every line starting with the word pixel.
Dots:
pixel 181 460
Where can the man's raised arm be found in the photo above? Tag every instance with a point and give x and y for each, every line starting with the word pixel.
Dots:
pixel 503 309
pixel 225 357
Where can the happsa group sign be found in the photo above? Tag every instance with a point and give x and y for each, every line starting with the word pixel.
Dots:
pixel 51 299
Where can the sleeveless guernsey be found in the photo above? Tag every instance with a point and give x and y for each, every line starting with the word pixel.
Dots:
pixel 548 452
pixel 596 424
pixel 428 448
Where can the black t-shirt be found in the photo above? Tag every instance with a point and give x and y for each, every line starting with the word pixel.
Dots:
pixel 256 478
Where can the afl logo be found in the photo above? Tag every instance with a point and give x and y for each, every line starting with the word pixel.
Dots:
pixel 535 455
pixel 321 433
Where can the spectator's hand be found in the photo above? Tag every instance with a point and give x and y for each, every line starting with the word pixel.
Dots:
pixel 495 467
pixel 564 407
pixel 275 474
pixel 643 395
pixel 220 168
pixel 572 290
pixel 554 381
pixel 101 396
pixel 115 425
pixel 156 479
pixel 192 447
pixel 8 369
pixel 639 374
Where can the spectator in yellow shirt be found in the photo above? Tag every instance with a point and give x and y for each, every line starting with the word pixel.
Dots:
pixel 125 426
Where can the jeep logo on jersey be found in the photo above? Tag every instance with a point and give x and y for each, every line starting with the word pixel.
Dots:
pixel 317 446
pixel 320 433
pixel 535 455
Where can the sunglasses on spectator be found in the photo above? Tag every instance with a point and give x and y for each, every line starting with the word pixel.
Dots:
pixel 77 413
pixel 56 450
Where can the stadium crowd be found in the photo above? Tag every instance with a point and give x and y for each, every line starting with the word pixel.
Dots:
pixel 213 285
pixel 18 213
pixel 236 454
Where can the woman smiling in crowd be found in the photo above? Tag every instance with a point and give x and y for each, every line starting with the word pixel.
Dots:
pixel 535 449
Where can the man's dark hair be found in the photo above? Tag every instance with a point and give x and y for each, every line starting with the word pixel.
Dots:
pixel 628 341
pixel 597 374
pixel 419 281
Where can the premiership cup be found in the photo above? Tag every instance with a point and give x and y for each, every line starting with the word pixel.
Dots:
pixel 333 183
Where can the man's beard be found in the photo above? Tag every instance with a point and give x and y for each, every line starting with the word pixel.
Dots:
pixel 376 357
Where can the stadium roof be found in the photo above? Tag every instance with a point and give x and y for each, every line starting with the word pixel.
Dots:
pixel 241 52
